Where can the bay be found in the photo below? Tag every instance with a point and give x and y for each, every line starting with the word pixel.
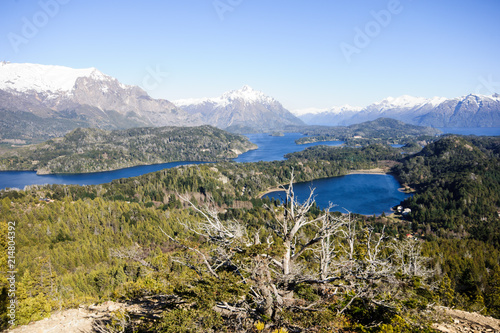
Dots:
pixel 366 194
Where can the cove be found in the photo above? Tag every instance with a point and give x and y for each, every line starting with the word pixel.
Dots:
pixel 365 194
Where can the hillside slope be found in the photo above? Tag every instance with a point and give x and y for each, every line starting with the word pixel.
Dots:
pixel 458 183
pixel 92 150
pixel 382 128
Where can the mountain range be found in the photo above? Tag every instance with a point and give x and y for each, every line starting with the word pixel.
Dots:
pixel 465 111
pixel 39 102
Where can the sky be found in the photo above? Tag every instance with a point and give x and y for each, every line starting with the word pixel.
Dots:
pixel 305 54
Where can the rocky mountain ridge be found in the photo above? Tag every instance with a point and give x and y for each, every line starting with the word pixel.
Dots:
pixel 32 94
pixel 38 102
pixel 243 110
pixel 466 111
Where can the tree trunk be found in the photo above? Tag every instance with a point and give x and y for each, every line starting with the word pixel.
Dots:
pixel 287 258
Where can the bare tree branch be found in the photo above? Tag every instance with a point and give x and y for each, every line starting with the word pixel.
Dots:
pixel 204 258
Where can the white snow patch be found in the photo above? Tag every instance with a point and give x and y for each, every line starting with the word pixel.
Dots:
pixel 333 110
pixel 245 94
pixel 407 102
pixel 191 101
pixel 301 112
pixel 44 78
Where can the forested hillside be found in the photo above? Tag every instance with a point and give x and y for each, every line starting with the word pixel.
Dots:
pixel 92 250
pixel 92 150
pixel 382 130
pixel 458 182
pixel 225 260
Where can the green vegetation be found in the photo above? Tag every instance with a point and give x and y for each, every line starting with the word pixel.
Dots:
pixel 458 183
pixel 92 150
pixel 92 250
pixel 151 235
pixel 382 130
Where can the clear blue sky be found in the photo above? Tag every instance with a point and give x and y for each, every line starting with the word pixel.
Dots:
pixel 291 50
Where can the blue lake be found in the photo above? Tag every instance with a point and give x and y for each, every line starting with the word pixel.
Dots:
pixel 19 179
pixel 363 194
pixel 274 148
pixel 358 193
pixel 271 148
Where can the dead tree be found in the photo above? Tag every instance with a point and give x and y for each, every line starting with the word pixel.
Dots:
pixel 351 258
pixel 408 257
pixel 295 217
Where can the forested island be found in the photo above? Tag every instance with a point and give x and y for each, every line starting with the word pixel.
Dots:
pixel 215 257
pixel 92 150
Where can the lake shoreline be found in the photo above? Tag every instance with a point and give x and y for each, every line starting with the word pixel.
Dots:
pixel 374 171
pixel 270 190
pixel 364 192
pixel 41 172
pixel 44 173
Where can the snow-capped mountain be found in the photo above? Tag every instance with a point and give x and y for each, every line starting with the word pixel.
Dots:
pixel 44 78
pixel 32 94
pixel 246 94
pixel 466 111
pixel 241 110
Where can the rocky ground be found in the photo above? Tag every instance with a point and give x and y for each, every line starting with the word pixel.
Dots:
pixel 94 318
pixel 461 321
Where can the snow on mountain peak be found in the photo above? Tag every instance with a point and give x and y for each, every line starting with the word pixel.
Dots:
pixel 301 112
pixel 44 78
pixel 407 101
pixel 246 93
pixel 333 110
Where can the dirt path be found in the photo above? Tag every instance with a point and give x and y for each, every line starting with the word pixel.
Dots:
pixel 86 318
pixel 462 321
pixel 71 321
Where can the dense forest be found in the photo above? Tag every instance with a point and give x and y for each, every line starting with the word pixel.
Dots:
pixel 382 130
pixel 92 150
pixel 458 182
pixel 230 261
